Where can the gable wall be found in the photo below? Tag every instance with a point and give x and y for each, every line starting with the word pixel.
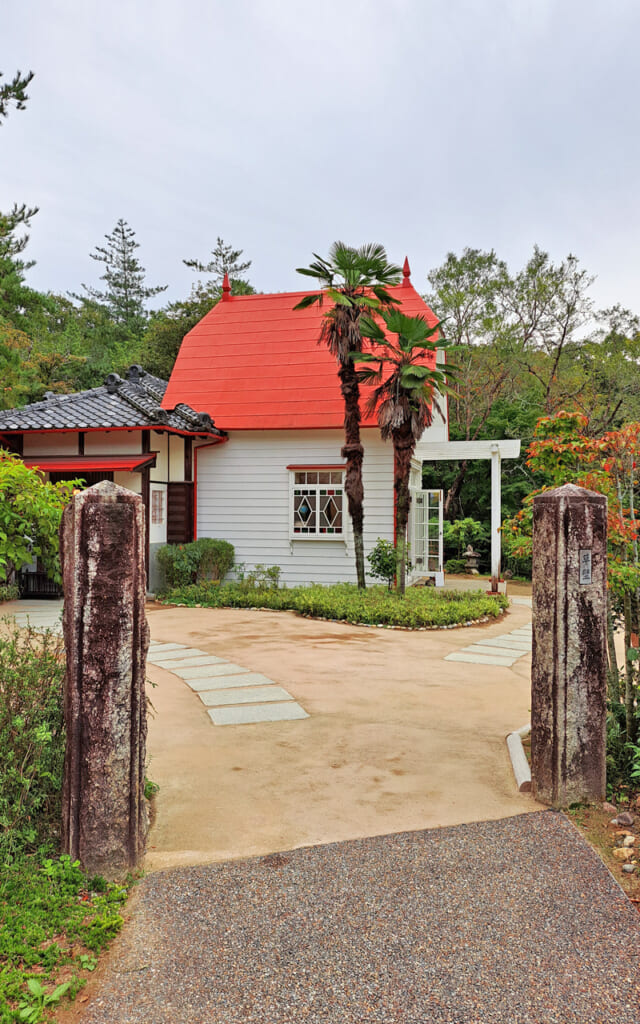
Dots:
pixel 243 497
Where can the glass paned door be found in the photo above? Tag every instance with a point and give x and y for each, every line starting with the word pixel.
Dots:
pixel 425 533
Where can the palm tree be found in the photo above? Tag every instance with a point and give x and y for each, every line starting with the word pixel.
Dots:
pixel 355 281
pixel 403 398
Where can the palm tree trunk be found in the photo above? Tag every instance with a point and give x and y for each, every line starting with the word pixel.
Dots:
pixel 353 452
pixel 403 448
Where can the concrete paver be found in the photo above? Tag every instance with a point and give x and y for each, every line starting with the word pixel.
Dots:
pixel 257 714
pixel 243 695
pixel 479 659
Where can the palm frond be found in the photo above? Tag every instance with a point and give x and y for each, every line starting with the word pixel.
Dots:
pixel 308 300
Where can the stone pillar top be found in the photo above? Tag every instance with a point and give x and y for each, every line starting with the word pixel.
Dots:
pixel 106 490
pixel 569 491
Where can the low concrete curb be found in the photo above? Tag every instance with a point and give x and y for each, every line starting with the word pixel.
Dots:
pixel 519 762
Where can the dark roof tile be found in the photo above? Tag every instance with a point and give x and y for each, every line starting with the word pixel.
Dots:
pixel 130 402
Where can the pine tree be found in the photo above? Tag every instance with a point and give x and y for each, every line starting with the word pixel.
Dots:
pixel 225 261
pixel 125 292
pixel 14 92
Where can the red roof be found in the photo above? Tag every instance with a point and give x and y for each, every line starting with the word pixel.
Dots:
pixel 89 463
pixel 253 363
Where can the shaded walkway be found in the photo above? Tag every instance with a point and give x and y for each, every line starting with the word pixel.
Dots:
pixel 507 922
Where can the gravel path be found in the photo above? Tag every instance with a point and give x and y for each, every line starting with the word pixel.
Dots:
pixel 505 921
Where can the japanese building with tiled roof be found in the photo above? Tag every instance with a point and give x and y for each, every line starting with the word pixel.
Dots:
pixel 119 431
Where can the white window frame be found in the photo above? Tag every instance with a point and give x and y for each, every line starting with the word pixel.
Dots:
pixel 341 537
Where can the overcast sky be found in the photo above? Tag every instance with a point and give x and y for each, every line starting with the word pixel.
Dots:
pixel 283 125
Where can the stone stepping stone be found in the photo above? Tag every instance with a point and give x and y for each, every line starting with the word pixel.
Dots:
pixel 211 671
pixel 210 683
pixel 203 671
pixel 512 644
pixel 256 713
pixel 195 661
pixel 499 652
pixel 244 695
pixel 244 679
pixel 155 646
pixel 183 652
pixel 479 659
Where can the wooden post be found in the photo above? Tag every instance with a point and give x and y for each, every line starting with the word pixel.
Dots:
pixel 104 817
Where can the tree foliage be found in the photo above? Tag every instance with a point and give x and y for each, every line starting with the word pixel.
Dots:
pixel 30 513
pixel 14 92
pixel 125 294
pixel 355 282
pixel 226 260
pixel 406 381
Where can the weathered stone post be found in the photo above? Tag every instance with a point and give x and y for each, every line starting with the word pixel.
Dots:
pixel 104 817
pixel 569 658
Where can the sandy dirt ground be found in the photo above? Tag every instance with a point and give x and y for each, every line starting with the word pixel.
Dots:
pixel 397 738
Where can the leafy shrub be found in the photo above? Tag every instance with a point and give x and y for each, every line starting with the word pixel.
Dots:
pixel 31 739
pixel 215 558
pixel 461 532
pixel 206 558
pixel 345 602
pixel 382 559
pixel 261 577
pixel 30 513
pixel 9 592
pixel 455 566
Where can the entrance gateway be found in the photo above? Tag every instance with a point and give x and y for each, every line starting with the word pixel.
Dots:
pixel 425 513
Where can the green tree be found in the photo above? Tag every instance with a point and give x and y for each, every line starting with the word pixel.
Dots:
pixel 125 294
pixel 405 380
pixel 355 281
pixel 168 327
pixel 30 513
pixel 226 260
pixel 14 92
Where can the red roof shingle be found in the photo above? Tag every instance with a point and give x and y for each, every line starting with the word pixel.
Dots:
pixel 253 363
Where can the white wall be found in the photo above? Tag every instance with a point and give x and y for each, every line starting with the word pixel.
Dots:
pixel 113 442
pixel 176 458
pixel 243 497
pixel 159 443
pixel 51 444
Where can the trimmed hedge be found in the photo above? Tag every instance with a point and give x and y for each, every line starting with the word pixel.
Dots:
pixel 419 608
pixel 203 559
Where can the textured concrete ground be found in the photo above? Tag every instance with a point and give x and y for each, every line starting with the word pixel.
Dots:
pixel 506 922
pixel 397 738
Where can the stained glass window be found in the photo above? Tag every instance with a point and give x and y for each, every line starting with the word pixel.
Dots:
pixel 318 497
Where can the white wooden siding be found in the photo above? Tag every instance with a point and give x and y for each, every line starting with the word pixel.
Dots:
pixel 243 497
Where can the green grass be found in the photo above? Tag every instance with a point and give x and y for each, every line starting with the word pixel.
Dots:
pixel 421 607
pixel 53 922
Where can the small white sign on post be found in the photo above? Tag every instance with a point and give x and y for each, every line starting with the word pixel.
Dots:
pixel 585 565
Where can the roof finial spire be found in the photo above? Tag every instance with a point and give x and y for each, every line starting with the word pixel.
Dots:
pixel 406 273
pixel 226 289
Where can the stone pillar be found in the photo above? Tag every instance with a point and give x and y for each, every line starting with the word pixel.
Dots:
pixel 104 817
pixel 569 657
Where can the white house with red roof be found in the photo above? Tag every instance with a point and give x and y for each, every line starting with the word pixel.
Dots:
pixel 274 488
pixel 268 475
